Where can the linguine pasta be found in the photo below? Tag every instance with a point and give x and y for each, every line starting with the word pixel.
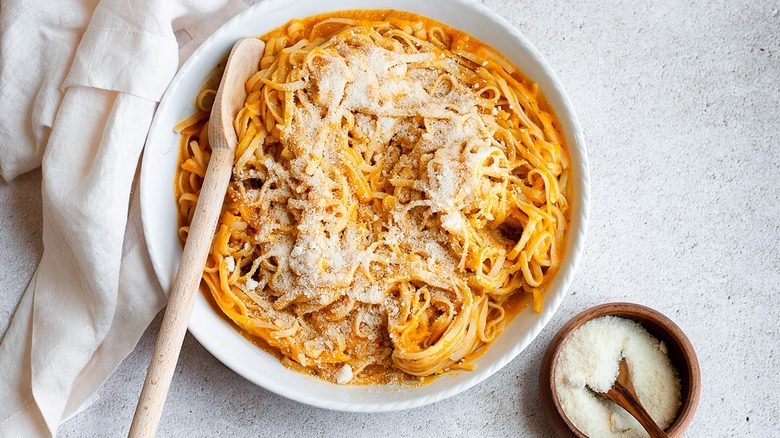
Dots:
pixel 399 192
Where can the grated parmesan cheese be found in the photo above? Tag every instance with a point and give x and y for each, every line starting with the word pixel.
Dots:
pixel 589 359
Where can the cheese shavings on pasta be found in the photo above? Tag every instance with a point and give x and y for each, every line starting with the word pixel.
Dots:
pixel 397 187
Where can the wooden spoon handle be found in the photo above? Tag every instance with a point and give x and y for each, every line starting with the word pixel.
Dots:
pixel 182 296
pixel 623 397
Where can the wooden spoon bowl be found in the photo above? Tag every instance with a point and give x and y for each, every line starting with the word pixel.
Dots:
pixel 681 354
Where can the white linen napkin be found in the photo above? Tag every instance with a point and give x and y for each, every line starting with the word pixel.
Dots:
pixel 79 83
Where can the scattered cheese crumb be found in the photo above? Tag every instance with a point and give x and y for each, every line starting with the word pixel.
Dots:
pixel 251 284
pixel 344 375
pixel 230 263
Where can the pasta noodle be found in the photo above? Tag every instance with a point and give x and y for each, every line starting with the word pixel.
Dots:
pixel 399 192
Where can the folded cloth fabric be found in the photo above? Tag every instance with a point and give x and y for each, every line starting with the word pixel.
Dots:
pixel 79 82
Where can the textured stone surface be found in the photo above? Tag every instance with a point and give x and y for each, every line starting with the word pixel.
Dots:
pixel 680 105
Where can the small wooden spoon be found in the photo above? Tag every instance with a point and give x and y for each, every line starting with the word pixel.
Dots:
pixel 242 63
pixel 622 393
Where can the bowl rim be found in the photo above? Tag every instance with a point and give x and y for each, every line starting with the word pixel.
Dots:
pixel 550 403
pixel 555 294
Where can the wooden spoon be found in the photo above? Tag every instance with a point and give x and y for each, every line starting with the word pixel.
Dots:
pixel 623 394
pixel 242 63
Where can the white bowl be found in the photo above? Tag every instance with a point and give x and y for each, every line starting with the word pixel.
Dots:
pixel 222 340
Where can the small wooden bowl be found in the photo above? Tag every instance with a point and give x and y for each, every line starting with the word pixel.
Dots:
pixel 681 353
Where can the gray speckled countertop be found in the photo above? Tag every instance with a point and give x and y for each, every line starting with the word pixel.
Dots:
pixel 680 105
